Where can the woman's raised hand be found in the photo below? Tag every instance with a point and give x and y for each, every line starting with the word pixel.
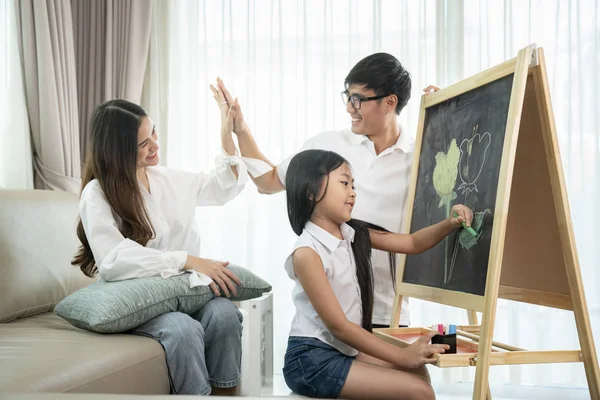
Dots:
pixel 227 112
pixel 227 103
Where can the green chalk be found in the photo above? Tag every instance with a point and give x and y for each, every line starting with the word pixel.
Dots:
pixel 467 228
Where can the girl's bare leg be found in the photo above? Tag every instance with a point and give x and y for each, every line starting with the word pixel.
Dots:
pixel 370 381
pixel 422 371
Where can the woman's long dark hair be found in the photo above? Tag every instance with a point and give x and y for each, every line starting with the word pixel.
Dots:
pixel 303 181
pixel 112 160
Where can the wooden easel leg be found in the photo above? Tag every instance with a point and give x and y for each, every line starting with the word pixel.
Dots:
pixel 561 204
pixel 586 341
pixel 492 285
pixel 397 307
pixel 396 310
pixel 472 317
pixel 481 388
pixel 473 321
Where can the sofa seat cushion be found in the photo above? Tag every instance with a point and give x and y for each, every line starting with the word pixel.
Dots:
pixel 45 353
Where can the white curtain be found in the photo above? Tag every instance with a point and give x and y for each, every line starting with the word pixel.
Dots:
pixel 155 88
pixel 16 168
pixel 287 60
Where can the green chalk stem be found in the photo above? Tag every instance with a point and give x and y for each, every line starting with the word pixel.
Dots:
pixel 467 228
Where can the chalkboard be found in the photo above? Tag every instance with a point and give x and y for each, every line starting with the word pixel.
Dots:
pixel 498 124
pixel 459 163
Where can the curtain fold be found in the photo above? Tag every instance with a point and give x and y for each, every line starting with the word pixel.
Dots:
pixel 156 79
pixel 76 54
pixel 112 42
pixel 90 32
pixel 46 46
pixel 128 24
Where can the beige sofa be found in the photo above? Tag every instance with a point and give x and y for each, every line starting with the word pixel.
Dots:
pixel 39 351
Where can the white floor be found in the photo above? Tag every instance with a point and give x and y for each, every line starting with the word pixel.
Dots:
pixel 463 391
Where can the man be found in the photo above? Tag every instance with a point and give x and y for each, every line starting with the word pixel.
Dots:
pixel 376 90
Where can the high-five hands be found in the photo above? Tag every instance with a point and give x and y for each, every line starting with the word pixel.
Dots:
pixel 227 104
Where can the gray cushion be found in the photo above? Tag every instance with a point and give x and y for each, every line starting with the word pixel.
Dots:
pixel 112 307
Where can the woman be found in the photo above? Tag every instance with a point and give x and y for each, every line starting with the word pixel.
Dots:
pixel 137 220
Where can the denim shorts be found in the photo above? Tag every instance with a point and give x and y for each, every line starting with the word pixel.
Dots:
pixel 315 369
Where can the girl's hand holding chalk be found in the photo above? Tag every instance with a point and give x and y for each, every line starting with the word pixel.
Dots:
pixel 462 216
pixel 463 219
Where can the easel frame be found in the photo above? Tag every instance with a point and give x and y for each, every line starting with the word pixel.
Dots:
pixel 530 93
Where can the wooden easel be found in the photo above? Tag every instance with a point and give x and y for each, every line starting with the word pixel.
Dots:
pixel 532 257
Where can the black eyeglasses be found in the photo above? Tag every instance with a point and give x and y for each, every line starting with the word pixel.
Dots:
pixel 356 99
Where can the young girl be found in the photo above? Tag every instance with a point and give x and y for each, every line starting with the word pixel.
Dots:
pixel 331 352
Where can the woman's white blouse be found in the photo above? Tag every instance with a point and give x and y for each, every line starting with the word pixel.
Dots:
pixel 171 206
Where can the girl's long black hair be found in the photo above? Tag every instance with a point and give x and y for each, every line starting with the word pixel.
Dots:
pixel 303 182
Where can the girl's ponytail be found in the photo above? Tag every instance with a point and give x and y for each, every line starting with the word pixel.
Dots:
pixel 361 247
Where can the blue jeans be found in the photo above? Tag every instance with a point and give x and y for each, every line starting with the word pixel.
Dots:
pixel 203 350
pixel 313 368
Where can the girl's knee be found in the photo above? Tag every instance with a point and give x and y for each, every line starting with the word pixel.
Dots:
pixel 424 391
pixel 424 373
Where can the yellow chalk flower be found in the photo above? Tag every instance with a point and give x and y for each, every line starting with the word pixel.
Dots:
pixel 445 173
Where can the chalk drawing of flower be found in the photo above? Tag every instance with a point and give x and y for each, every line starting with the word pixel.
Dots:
pixel 472 160
pixel 445 173
pixel 444 179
